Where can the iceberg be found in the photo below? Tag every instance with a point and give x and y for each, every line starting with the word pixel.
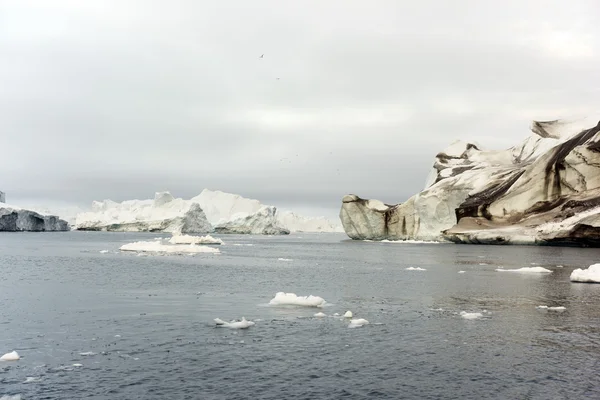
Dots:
pixel 16 219
pixel 210 211
pixel 187 239
pixel 467 315
pixel 357 323
pixel 590 275
pixel 243 324
pixel 348 314
pixel 158 247
pixel 415 269
pixel 545 190
pixel 290 299
pixel 527 270
pixel 320 315
pixel 12 356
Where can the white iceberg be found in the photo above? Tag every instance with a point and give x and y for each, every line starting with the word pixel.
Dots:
pixel 357 323
pixel 348 314
pixel 284 259
pixel 461 272
pixel 527 270
pixel 262 222
pixel 290 299
pixel 415 269
pixel 158 247
pixel 557 309
pixel 589 275
pixel 187 239
pixel 243 324
pixel 320 315
pixel 12 356
pixel 467 315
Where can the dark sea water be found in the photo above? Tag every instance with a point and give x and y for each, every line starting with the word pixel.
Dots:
pixel 146 322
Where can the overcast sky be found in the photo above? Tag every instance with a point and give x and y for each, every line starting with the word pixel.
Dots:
pixel 119 99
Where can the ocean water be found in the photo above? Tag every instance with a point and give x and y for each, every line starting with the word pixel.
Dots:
pixel 141 327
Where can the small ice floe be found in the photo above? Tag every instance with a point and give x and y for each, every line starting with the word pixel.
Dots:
pixel 12 356
pixel 320 315
pixel 243 244
pixel 243 324
pixel 357 323
pixel 483 264
pixel 31 379
pixel 284 259
pixel 461 272
pixel 290 299
pixel 559 266
pixel 104 251
pixel 11 397
pixel 348 314
pixel 157 247
pixel 527 270
pixel 590 275
pixel 78 365
pixel 473 315
pixel 187 239
pixel 336 314
pixel 87 353
pixel 415 269
pixel 117 336
pixel 557 309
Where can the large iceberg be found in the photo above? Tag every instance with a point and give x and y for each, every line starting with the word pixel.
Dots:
pixel 210 211
pixel 546 190
pixel 16 219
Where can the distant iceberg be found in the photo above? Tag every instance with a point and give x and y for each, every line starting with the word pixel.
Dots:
pixel 158 247
pixel 210 211
pixel 187 239
pixel 17 219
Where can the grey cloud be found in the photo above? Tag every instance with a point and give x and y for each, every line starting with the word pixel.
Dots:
pixel 119 99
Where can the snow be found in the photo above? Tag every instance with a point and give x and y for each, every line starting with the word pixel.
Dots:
pixel 243 324
pixel 415 269
pixel 357 323
pixel 320 315
pixel 12 356
pixel 282 298
pixel 527 270
pixel 158 247
pixel 589 275
pixel 187 239
pixel 467 315
pixel 348 314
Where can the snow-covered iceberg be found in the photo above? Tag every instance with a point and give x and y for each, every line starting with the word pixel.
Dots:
pixel 546 190
pixel 590 275
pixel 187 239
pixel 210 211
pixel 159 247
pixel 16 219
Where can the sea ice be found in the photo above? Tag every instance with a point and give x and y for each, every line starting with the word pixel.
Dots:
pixel 320 315
pixel 461 272
pixel 9 397
pixel 590 275
pixel 357 323
pixel 282 298
pixel 156 247
pixel 348 314
pixel 284 259
pixel 243 324
pixel 78 365
pixel 415 269
pixel 12 356
pixel 87 353
pixel 467 315
pixel 104 251
pixel 527 270
pixel 546 308
pixel 188 239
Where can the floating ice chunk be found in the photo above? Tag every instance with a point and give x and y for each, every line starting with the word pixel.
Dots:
pixel 336 315
pixel 157 247
pixel 527 270
pixel 78 365
pixel 291 299
pixel 474 315
pixel 557 309
pixel 187 239
pixel 117 336
pixel 104 251
pixel 590 275
pixel 348 314
pixel 12 356
pixel 461 272
pixel 243 324
pixel 30 379
pixel 243 244
pixel 9 397
pixel 559 266
pixel 357 323
pixel 408 241
pixel 483 264
pixel 415 269
pixel 284 259
pixel 87 353
pixel 320 315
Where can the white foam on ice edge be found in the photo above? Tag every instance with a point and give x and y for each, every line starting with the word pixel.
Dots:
pixel 290 299
pixel 589 275
pixel 156 247
pixel 526 270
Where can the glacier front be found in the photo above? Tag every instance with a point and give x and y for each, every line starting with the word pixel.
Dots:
pixel 546 190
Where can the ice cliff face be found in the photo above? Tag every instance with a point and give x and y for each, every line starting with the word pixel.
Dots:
pixel 209 211
pixel 15 219
pixel 545 190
